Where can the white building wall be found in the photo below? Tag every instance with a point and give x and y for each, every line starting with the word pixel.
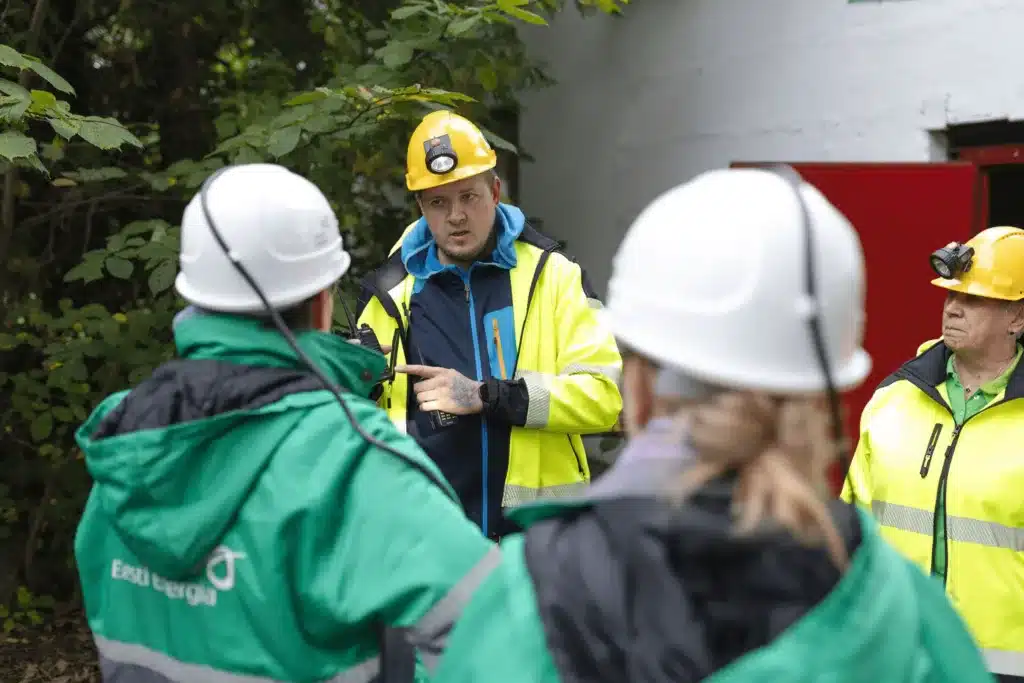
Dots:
pixel 675 87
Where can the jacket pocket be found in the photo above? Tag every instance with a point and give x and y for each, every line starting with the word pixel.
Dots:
pixel 933 440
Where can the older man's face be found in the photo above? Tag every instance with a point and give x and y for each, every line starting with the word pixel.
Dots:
pixel 977 324
pixel 461 216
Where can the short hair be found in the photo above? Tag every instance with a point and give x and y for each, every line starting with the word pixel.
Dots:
pixel 299 316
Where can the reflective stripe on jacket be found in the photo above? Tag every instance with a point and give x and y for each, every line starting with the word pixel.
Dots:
pixel 909 444
pixel 568 359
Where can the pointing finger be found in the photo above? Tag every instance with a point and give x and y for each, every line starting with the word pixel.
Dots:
pixel 425 371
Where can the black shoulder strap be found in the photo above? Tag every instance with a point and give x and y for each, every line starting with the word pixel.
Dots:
pixel 378 282
pixel 531 235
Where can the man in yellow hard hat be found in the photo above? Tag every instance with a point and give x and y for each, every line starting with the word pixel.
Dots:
pixel 498 334
pixel 940 460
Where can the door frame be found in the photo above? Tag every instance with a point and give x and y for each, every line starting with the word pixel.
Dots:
pixel 986 157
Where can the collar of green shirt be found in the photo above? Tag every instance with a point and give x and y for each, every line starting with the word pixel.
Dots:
pixel 964 407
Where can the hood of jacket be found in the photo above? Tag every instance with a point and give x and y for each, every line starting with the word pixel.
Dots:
pixel 175 459
pixel 419 251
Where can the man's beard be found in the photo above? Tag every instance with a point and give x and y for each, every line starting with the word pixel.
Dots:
pixel 489 245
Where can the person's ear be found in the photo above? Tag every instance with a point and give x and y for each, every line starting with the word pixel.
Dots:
pixel 1016 326
pixel 496 189
pixel 638 378
pixel 323 311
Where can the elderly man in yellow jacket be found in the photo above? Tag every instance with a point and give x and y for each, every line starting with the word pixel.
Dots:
pixel 496 332
pixel 940 461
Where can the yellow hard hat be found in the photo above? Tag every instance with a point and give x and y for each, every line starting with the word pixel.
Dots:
pixel 991 264
pixel 446 147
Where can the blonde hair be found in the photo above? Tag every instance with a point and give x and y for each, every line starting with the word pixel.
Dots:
pixel 781 449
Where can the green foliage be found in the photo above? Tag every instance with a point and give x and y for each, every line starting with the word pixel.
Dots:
pixel 328 89
pixel 20 107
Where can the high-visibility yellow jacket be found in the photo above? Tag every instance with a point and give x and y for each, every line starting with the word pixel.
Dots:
pixel 909 447
pixel 552 336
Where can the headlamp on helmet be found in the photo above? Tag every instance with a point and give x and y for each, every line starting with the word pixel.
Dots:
pixel 952 260
pixel 441 156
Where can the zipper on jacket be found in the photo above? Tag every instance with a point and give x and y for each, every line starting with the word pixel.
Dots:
pixel 926 463
pixel 942 492
pixel 941 496
pixel 484 450
pixel 579 463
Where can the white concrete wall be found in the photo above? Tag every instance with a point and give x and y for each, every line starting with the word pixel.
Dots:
pixel 675 87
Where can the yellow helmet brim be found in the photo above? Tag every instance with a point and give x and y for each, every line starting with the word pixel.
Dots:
pixel 972 288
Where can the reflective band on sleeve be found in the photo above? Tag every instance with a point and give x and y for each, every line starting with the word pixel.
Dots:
pixel 1004 662
pixel 539 393
pixel 539 405
pixel 133 663
pixel 430 634
pixel 517 495
pixel 958 529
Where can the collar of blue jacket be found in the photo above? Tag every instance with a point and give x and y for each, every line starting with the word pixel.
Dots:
pixel 419 251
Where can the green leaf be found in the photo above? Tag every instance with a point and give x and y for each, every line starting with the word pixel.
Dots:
pixel 15 145
pixel 506 5
pixel 13 107
pixel 34 163
pixel 49 75
pixel 119 267
pixel 307 98
pixel 97 175
pixel 13 89
pixel 89 270
pixel 105 133
pixel 498 141
pixel 524 15
pixel 66 128
pixel 63 414
pixel 462 26
pixel 162 277
pixel 43 100
pixel 488 77
pixel 42 426
pixel 143 227
pixel 395 54
pixel 406 12
pixel 284 140
pixel 11 57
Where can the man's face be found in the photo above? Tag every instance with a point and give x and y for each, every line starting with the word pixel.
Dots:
pixel 461 216
pixel 977 324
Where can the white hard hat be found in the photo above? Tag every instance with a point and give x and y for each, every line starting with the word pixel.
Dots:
pixel 711 279
pixel 279 225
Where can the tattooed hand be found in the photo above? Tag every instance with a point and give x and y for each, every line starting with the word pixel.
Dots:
pixel 444 389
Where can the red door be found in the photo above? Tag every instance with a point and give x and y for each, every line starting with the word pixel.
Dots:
pixel 902 213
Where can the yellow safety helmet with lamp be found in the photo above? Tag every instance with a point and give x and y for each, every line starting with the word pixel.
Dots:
pixel 990 264
pixel 446 147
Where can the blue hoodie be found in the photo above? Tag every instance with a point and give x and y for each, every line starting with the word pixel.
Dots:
pixel 460 319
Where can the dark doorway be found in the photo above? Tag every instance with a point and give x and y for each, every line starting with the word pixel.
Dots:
pixel 1006 195
pixel 997 149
